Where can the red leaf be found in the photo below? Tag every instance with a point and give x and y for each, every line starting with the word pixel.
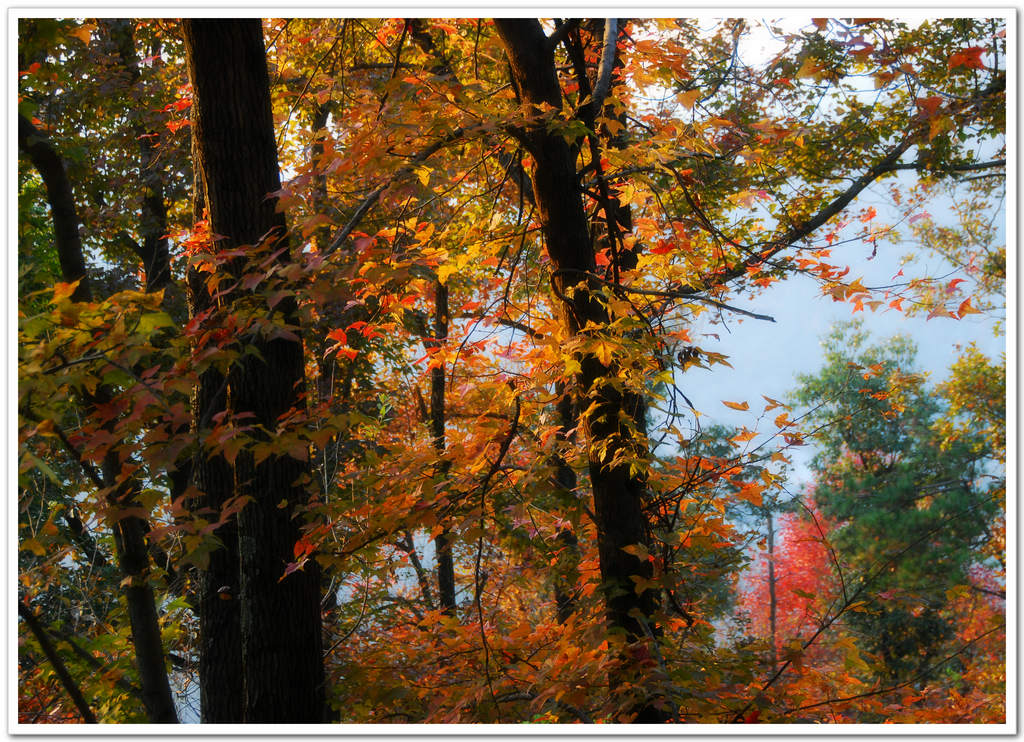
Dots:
pixel 969 57
pixel 929 105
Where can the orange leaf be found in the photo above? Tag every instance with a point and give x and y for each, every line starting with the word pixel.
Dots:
pixel 966 308
pixel 689 98
pixel 741 406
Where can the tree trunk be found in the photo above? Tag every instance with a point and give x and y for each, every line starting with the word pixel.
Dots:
pixel 567 570
pixel 48 163
pixel 153 223
pixel 442 544
pixel 129 532
pixel 220 631
pixel 772 605
pixel 235 151
pixel 614 440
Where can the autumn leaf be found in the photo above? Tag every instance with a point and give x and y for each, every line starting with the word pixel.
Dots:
pixel 741 406
pixel 604 351
pixel 969 57
pixel 811 67
pixel 939 125
pixel 966 308
pixel 689 98
pixel 929 106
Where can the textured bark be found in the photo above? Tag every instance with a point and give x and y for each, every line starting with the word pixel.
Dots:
pixel 235 150
pixel 220 628
pixel 618 493
pixel 129 532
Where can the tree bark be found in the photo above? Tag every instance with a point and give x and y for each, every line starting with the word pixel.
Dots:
pixel 235 150
pixel 567 570
pixel 609 418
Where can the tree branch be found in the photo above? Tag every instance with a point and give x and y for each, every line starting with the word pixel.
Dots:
pixel 604 75
pixel 48 162
pixel 562 30
pixel 59 667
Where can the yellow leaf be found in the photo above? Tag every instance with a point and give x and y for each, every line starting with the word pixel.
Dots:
pixel 444 271
pixel 689 98
pixel 83 33
pixel 810 68
pixel 603 350
pixel 637 550
pixel 939 125
pixel 31 544
pixel 741 406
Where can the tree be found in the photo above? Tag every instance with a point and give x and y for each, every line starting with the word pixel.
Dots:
pixel 911 513
pixel 235 159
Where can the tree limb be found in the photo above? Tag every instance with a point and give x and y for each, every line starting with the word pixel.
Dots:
pixel 374 196
pixel 604 75
pixel 59 667
pixel 48 162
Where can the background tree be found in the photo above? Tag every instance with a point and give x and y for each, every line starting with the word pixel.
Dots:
pixel 899 497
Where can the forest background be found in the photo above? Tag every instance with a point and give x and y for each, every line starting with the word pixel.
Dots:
pixel 136 438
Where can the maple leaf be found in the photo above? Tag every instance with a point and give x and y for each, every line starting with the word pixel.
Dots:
pixel 689 98
pixel 929 106
pixel 969 58
pixel 603 350
pixel 966 308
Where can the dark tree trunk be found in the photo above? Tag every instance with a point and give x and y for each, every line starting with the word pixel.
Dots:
pixel 47 161
pixel 46 644
pixel 235 151
pixel 567 568
pixel 153 223
pixel 129 532
pixel 619 492
pixel 442 544
pixel 220 629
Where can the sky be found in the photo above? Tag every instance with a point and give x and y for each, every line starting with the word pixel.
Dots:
pixel 766 357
